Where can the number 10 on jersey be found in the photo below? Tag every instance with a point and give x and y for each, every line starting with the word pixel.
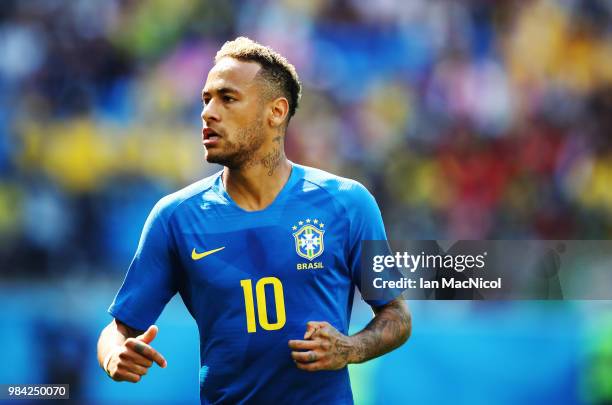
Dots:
pixel 262 312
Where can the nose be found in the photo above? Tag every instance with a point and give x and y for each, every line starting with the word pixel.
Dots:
pixel 209 111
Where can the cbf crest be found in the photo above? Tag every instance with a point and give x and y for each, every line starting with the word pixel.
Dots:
pixel 308 237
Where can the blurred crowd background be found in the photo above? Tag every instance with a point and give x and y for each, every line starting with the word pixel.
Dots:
pixel 466 120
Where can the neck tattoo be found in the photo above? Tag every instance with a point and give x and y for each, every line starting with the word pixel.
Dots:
pixel 272 160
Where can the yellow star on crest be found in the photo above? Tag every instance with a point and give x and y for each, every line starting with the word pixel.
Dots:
pixel 301 223
pixel 316 221
pixel 321 224
pixel 308 220
pixel 294 227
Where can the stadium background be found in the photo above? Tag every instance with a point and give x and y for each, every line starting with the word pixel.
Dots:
pixel 472 119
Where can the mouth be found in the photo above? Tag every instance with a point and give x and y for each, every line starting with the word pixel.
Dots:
pixel 210 136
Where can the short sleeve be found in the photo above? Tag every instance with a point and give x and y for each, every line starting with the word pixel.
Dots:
pixel 150 281
pixel 366 224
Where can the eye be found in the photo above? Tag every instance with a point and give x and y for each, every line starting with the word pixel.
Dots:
pixel 205 100
pixel 228 99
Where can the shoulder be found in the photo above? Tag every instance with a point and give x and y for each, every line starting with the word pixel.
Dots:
pixel 348 192
pixel 168 204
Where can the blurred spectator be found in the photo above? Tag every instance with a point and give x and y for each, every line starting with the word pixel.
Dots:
pixel 467 120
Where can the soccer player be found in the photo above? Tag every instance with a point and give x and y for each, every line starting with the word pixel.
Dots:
pixel 265 255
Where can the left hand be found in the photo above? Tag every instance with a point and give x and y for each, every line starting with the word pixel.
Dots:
pixel 323 348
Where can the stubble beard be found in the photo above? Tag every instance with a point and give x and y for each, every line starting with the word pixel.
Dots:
pixel 241 153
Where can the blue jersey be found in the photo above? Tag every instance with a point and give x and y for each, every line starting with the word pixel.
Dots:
pixel 253 279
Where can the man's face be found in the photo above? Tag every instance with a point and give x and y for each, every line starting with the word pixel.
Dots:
pixel 232 116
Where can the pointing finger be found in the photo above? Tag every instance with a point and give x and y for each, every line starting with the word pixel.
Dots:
pixel 146 351
pixel 136 358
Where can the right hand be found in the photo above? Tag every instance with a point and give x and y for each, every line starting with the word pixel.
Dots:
pixel 131 360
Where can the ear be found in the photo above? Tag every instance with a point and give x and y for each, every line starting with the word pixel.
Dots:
pixel 279 108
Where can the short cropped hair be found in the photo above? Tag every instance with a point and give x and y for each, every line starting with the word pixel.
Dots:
pixel 275 69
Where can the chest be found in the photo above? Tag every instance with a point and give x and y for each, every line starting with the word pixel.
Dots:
pixel 302 247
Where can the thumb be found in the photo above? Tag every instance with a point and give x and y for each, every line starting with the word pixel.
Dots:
pixel 311 327
pixel 149 335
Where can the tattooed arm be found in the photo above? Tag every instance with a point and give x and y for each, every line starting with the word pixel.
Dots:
pixel 124 353
pixel 325 348
pixel 389 329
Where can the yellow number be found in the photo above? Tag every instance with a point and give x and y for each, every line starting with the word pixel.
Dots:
pixel 279 301
pixel 260 292
pixel 248 304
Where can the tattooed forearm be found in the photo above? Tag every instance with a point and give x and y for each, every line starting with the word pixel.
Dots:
pixel 343 348
pixel 272 160
pixel 389 329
